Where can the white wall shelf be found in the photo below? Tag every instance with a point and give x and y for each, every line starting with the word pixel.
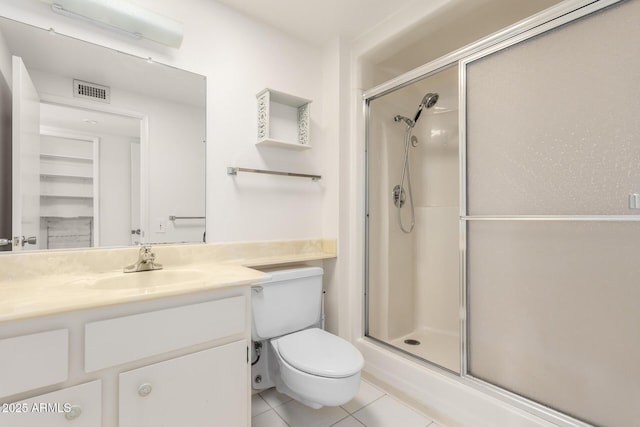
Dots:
pixel 284 120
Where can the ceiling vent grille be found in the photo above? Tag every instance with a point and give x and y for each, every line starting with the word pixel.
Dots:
pixel 92 91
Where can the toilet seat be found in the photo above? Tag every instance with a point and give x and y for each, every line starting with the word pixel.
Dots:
pixel 320 353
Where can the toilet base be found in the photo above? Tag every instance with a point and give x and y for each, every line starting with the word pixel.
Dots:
pixel 312 390
pixel 261 371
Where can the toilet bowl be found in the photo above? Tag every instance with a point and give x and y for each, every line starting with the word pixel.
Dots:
pixel 300 359
pixel 317 368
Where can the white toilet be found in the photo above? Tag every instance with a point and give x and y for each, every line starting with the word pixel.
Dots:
pixel 291 351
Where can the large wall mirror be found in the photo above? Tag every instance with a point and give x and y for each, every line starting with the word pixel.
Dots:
pixel 107 149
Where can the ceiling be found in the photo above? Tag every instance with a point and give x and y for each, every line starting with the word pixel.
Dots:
pixel 319 21
pixel 76 59
pixel 445 25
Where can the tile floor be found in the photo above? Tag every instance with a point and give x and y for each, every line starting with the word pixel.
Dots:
pixel 371 407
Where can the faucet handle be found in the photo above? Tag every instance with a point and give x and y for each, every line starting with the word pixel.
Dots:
pixel 146 261
pixel 145 252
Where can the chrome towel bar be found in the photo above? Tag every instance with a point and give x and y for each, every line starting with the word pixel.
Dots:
pixel 234 171
pixel 173 217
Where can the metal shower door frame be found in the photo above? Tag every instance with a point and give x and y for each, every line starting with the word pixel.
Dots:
pixel 535 25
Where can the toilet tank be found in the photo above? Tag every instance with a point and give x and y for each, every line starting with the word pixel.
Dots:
pixel 285 301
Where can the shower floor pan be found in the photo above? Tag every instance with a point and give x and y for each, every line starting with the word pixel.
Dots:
pixel 437 347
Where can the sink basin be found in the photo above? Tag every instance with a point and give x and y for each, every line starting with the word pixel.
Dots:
pixel 147 279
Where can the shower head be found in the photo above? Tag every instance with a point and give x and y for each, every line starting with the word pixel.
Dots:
pixel 428 101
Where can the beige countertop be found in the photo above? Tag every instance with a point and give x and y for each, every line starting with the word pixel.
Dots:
pixel 45 283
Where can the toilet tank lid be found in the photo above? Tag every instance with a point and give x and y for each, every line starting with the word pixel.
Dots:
pixel 320 353
pixel 275 274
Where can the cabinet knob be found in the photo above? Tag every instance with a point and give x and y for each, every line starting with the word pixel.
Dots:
pixel 73 413
pixel 145 389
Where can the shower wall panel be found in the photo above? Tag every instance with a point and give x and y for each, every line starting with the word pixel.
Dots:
pixel 435 170
pixel 391 278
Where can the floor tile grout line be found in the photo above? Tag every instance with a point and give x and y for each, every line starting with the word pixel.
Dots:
pixel 406 404
pixel 348 413
pixel 270 405
pixel 368 404
pixel 269 408
pixel 349 416
pixel 341 419
pixel 409 406
pixel 280 416
pixel 283 420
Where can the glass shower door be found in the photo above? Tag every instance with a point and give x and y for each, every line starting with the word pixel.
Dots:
pixel 553 243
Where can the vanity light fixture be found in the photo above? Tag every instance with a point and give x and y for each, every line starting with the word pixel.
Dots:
pixel 124 17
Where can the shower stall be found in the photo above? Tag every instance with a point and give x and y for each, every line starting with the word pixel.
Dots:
pixel 413 204
pixel 502 215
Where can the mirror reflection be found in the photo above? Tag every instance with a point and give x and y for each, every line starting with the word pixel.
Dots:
pixel 108 149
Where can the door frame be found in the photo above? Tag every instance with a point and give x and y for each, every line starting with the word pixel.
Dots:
pixel 144 144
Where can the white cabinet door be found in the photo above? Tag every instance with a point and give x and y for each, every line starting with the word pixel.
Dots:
pixel 125 339
pixel 79 406
pixel 31 361
pixel 208 388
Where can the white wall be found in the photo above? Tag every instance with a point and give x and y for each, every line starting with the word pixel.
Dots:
pixel 239 56
pixel 5 142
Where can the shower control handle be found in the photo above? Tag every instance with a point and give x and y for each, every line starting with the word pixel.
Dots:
pixel 398 196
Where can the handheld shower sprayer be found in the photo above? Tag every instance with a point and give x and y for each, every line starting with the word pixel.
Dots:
pixel 398 194
pixel 428 101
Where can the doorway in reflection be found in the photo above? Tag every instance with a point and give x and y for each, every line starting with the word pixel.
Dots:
pixel 89 170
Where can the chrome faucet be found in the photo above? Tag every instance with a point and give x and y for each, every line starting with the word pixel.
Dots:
pixel 146 261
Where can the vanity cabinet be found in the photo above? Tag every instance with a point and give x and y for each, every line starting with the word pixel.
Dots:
pixel 206 388
pixel 78 406
pixel 33 360
pixel 125 339
pixel 180 360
